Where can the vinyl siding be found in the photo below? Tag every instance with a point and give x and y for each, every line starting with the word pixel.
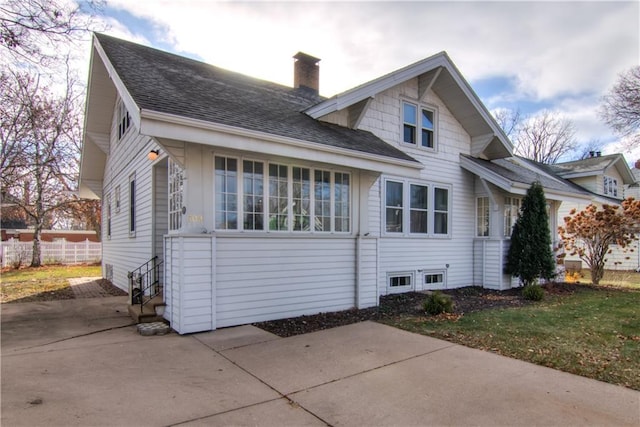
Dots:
pixel 441 168
pixel 265 278
pixel 190 293
pixel 121 250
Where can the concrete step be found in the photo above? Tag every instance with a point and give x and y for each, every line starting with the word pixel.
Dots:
pixel 148 312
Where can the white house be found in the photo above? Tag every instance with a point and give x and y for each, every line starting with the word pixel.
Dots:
pixel 610 180
pixel 262 201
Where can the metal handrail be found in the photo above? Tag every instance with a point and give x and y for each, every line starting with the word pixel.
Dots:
pixel 145 282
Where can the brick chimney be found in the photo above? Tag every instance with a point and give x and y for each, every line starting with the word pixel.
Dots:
pixel 306 72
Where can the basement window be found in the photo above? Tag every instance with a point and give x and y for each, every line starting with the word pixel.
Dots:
pixel 399 282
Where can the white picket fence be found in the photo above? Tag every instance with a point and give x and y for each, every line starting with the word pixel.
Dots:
pixel 14 252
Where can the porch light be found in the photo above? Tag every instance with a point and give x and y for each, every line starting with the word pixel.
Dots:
pixel 153 154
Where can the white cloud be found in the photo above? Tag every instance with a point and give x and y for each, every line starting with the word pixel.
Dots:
pixel 562 53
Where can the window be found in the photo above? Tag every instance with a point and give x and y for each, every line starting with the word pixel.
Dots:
pixel 124 120
pixel 132 205
pixel 416 209
pixel 299 199
pixel 342 197
pixel 322 191
pixel 108 216
pixel 394 209
pixel 226 193
pixel 419 216
pixel 253 187
pixel 482 216
pixel 399 282
pixel 511 212
pixel 441 211
pixel 176 193
pixel 610 186
pixel 431 279
pixel 278 197
pixel 117 199
pixel 412 121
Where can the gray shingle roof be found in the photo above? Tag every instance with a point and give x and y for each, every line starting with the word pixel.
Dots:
pixel 513 170
pixel 167 83
pixel 591 164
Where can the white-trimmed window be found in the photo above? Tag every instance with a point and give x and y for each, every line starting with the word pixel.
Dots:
pixel 342 197
pixel 399 281
pixel 418 125
pixel 299 199
pixel 416 208
pixel 278 197
pixel 226 177
pixel 108 203
pixel 610 186
pixel 482 216
pixel 253 195
pixel 117 199
pixel 124 120
pixel 132 204
pixel 511 212
pixel 434 279
pixel 176 194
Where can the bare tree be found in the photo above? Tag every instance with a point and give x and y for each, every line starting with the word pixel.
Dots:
pixel 509 120
pixel 40 148
pixel 621 106
pixel 34 29
pixel 588 149
pixel 545 137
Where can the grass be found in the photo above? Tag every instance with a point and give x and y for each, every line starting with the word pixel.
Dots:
pixel 45 283
pixel 594 332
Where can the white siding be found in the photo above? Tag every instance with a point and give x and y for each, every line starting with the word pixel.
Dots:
pixel 266 278
pixel 367 272
pixel 189 283
pixel 121 250
pixel 383 118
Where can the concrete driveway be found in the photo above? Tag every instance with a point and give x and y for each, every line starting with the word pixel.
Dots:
pixel 81 362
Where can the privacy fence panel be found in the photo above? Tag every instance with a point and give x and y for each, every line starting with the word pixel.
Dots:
pixel 15 253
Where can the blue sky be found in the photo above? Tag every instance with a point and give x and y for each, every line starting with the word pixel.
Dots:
pixel 560 56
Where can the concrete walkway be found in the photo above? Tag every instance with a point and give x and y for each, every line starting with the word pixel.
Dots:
pixel 80 362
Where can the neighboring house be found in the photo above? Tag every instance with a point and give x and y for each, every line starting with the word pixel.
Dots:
pixel 26 235
pixel 611 180
pixel 265 201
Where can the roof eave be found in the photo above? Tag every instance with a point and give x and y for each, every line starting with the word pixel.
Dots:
pixel 163 125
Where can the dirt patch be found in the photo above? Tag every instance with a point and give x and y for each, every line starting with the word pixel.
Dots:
pixel 466 300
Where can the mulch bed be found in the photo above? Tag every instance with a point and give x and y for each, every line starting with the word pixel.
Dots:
pixel 466 300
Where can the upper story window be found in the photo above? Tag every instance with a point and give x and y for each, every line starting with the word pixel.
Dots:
pixel 418 126
pixel 610 186
pixel 298 199
pixel 124 120
pixel 416 209
pixel 511 212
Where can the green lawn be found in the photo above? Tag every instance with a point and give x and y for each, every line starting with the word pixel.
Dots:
pixel 43 283
pixel 594 332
